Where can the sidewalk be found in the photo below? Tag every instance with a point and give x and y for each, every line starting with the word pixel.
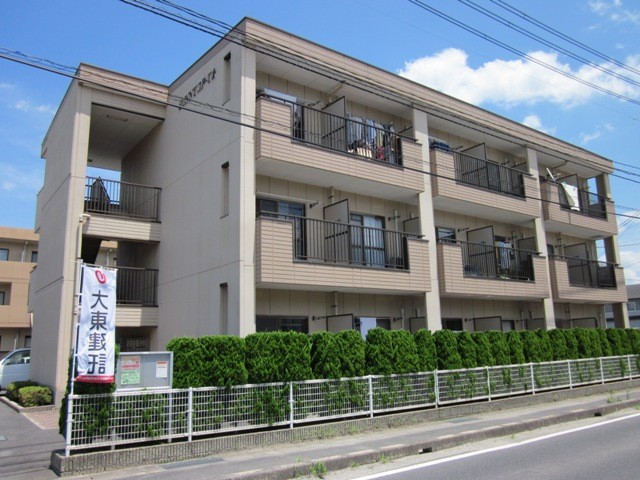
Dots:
pixel 26 443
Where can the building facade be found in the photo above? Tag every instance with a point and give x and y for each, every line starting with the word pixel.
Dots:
pixel 277 184
pixel 633 308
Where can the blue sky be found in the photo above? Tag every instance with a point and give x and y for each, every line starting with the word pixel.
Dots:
pixel 395 35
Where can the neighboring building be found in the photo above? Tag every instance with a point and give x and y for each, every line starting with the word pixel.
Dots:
pixel 18 256
pixel 359 199
pixel 633 308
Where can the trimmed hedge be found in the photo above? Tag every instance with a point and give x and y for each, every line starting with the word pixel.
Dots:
pixel 516 348
pixel 426 350
pixel 13 389
pixel 188 362
pixel 278 357
pixel 34 396
pixel 484 356
pixel 467 350
pixel 499 347
pixel 447 350
pixel 337 355
pixel 559 346
pixel 390 352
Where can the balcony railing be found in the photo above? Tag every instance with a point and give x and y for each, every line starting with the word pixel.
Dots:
pixel 122 199
pixel 137 286
pixel 351 245
pixel 589 203
pixel 491 176
pixel 349 135
pixel 487 261
pixel 590 273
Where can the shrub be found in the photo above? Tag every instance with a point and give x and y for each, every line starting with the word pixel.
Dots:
pixel 572 344
pixel 596 346
pixel 405 358
pixel 546 349
pixel 605 346
pixel 585 349
pixel 558 344
pixel 483 349
pixel 613 335
pixel 531 346
pixel 467 350
pixel 499 347
pixel 350 349
pixel 379 352
pixel 447 350
pixel 278 357
pixel 188 362
pixel 33 396
pixel 516 348
pixel 14 387
pixel 325 362
pixel 223 361
pixel 634 340
pixel 426 349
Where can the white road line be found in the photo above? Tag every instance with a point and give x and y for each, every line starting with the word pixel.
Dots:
pixel 493 449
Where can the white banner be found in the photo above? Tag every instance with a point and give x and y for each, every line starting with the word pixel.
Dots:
pixel 97 322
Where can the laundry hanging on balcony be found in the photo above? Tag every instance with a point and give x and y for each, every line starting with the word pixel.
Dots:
pixel 368 138
pixel 571 193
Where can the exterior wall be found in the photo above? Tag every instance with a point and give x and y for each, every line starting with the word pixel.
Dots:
pixel 563 291
pixel 121 229
pixel 454 282
pixel 275 266
pixel 484 314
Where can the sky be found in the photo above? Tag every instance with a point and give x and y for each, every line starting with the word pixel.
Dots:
pixel 395 35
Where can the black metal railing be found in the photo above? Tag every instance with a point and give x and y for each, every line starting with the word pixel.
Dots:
pixel 590 273
pixel 353 245
pixel 349 135
pixel 491 176
pixel 589 203
pixel 111 197
pixel 489 261
pixel 137 286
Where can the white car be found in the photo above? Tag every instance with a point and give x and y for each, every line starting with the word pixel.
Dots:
pixel 15 367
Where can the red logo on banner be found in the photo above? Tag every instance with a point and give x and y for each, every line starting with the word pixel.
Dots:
pixel 101 277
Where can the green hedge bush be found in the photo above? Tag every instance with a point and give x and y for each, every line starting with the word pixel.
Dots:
pixel 499 347
pixel 223 361
pixel 484 356
pixel 516 347
pixel 447 350
pixel 337 355
pixel 605 346
pixel 546 349
pixel 188 362
pixel 558 344
pixel 14 387
pixel 426 349
pixel 278 357
pixel 34 396
pixel 573 352
pixel 467 350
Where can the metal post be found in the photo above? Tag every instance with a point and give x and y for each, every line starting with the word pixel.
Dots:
pixel 170 417
pixel 190 414
pixel 370 396
pixel 601 371
pixel 629 365
pixel 67 436
pixel 488 383
pixel 437 389
pixel 533 380
pixel 570 378
pixel 290 404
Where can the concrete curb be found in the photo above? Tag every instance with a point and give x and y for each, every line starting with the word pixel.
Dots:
pixel 22 410
pixel 94 462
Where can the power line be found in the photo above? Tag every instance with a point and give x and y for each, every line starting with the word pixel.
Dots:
pixel 388 92
pixel 524 55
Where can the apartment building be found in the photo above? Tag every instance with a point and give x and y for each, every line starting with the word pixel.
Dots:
pixel 18 256
pixel 633 308
pixel 277 184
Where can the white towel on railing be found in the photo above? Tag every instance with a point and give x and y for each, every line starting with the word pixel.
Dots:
pixel 571 193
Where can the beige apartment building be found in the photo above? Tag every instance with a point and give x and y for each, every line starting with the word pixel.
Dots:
pixel 277 184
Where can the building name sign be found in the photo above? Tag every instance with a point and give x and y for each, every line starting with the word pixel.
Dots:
pixel 208 78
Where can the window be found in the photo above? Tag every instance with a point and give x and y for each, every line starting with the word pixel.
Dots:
pixel 226 94
pixel 282 324
pixel 4 254
pixel 27 341
pixel 19 358
pixel 2 295
pixel 454 324
pixel 224 190
pixel 445 235
pixel 34 257
pixel 224 313
pixel 367 239
pixel 507 325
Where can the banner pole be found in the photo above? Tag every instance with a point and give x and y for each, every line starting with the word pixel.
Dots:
pixel 74 342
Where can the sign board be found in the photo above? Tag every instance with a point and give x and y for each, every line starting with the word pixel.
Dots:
pixel 144 370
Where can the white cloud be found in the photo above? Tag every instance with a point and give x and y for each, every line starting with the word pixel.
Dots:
pixel 534 121
pixel 28 107
pixel 597 133
pixel 5 86
pixel 8 186
pixel 614 11
pixel 514 82
pixel 25 183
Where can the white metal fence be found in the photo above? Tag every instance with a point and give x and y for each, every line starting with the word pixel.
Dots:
pixel 143 416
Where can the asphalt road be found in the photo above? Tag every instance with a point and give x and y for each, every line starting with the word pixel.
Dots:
pixel 606 450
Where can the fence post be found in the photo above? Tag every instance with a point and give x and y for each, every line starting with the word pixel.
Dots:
pixel 290 404
pixel 67 436
pixel 437 389
pixel 570 378
pixel 488 383
pixel 533 380
pixel 629 365
pixel 601 370
pixel 170 417
pixel 190 414
pixel 370 396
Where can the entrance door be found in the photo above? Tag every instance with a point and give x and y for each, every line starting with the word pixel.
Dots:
pixel 336 233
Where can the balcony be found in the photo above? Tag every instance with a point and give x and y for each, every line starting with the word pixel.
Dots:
pixel 483 271
pixel 496 192
pixel 588 281
pixel 592 215
pixel 136 297
pixel 311 146
pixel 121 210
pixel 307 254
